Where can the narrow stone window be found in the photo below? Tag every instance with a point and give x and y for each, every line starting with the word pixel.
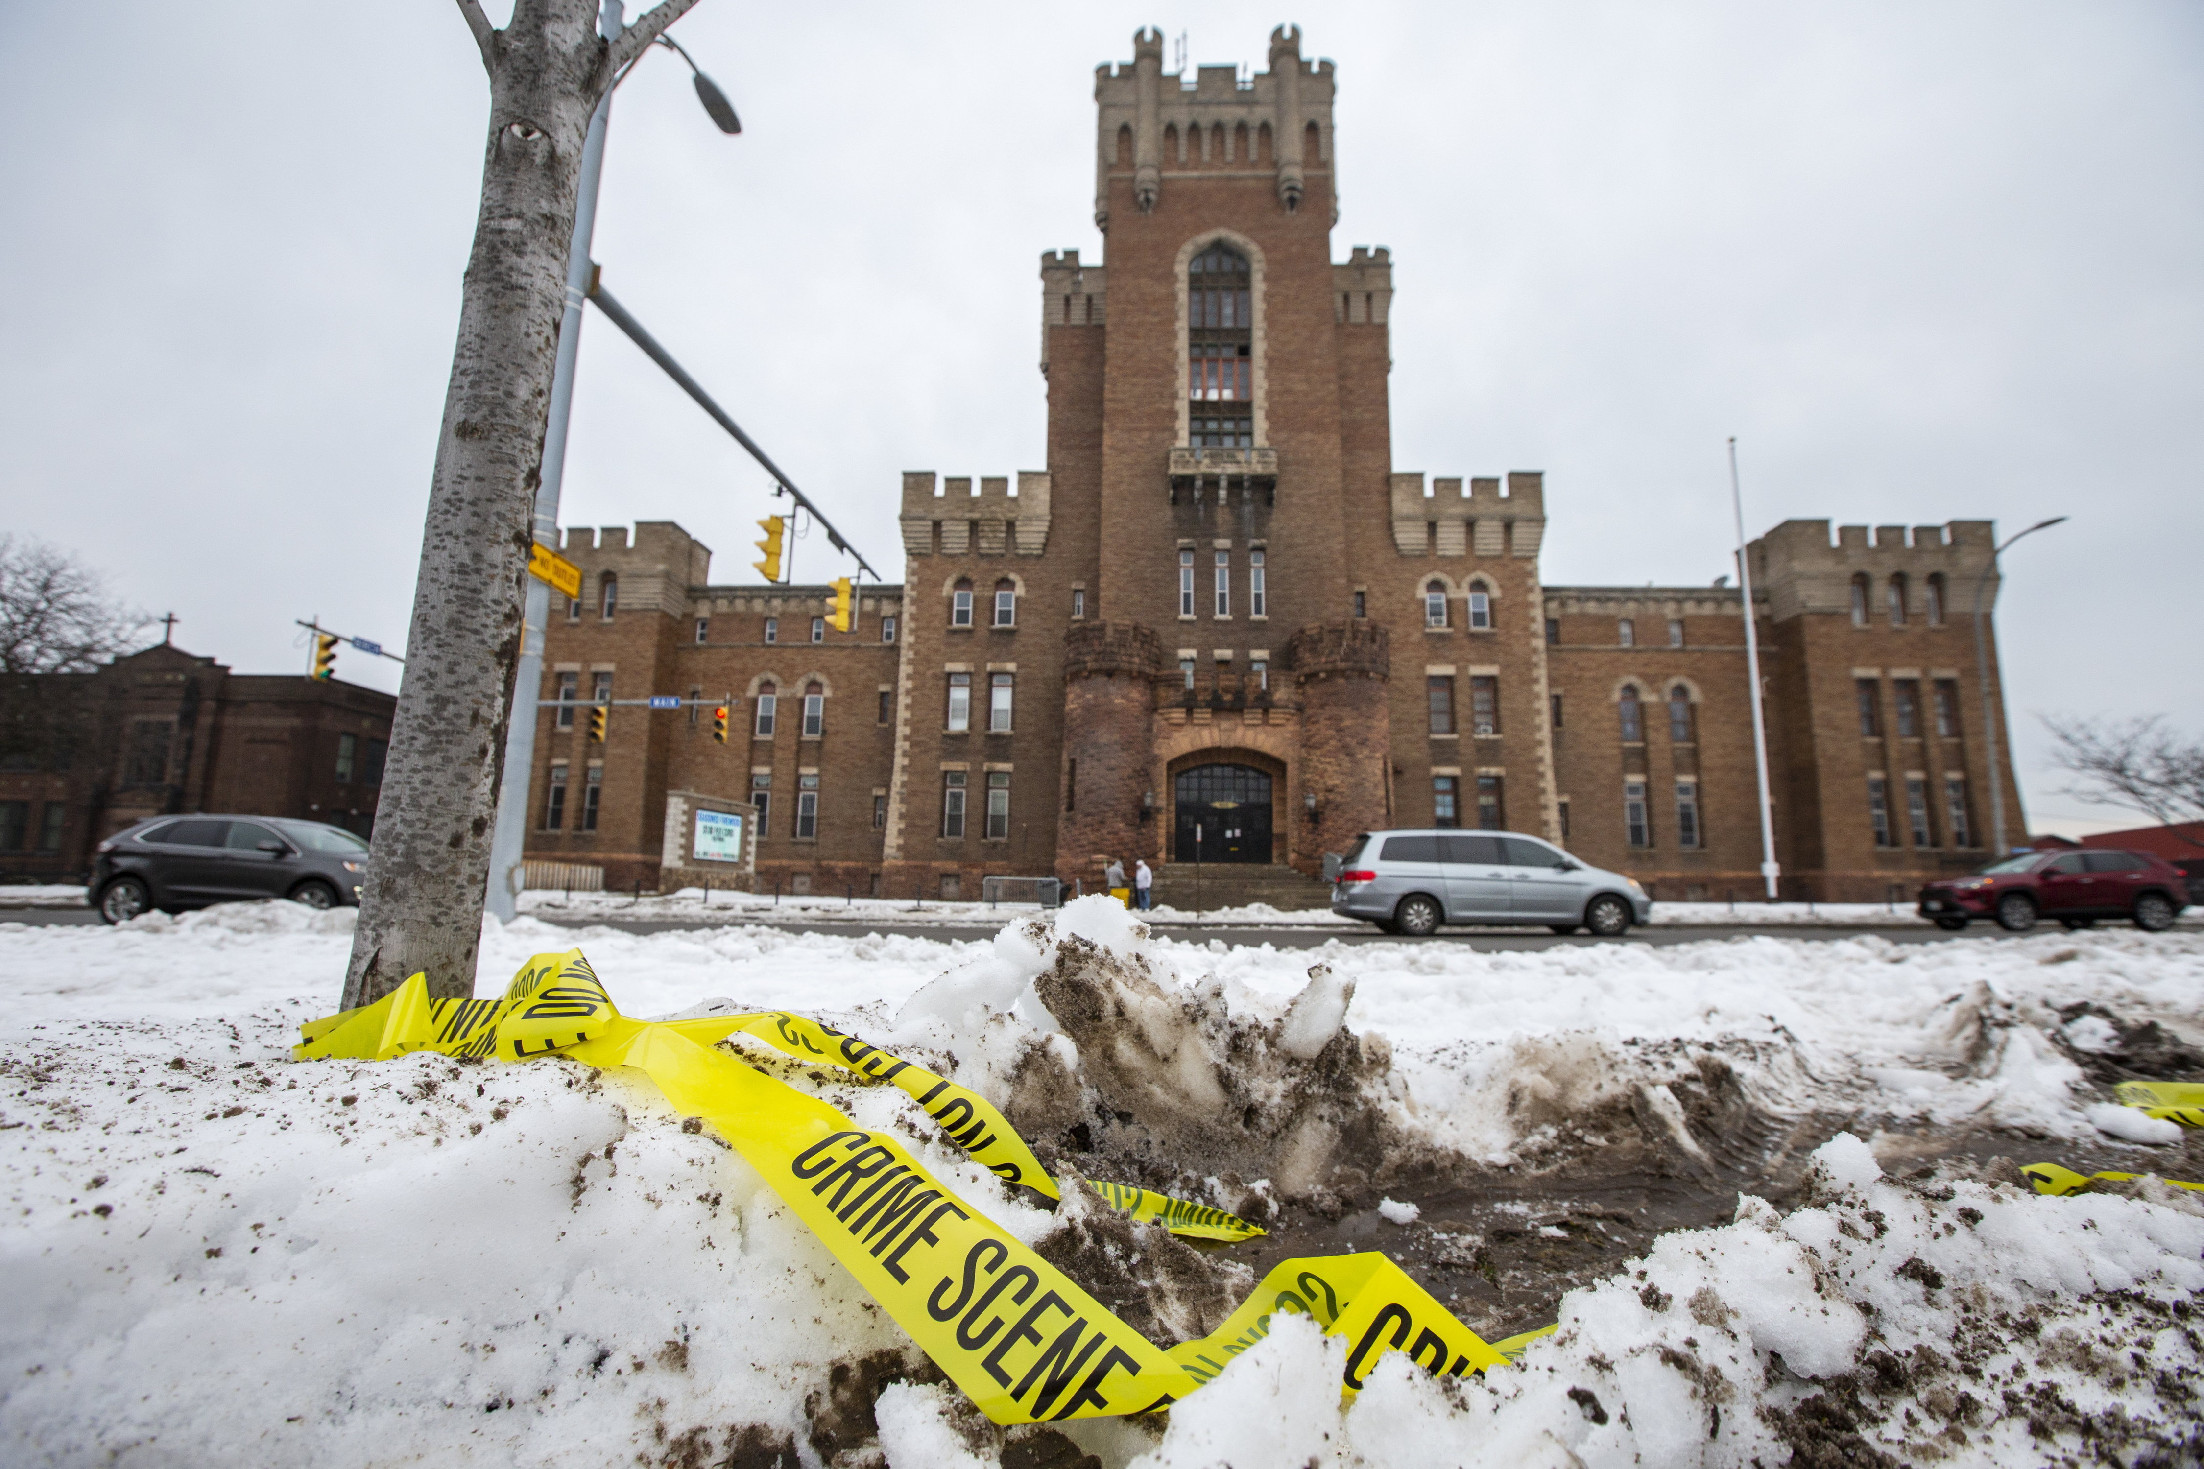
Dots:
pixel 1258 584
pixel 1680 729
pixel 1687 813
pixel 1078 603
pixel 1859 600
pixel 1947 711
pixel 1553 710
pixel 1480 610
pixel 1675 632
pixel 1362 607
pixel 609 592
pixel 1932 602
pixel 879 822
pixel 768 703
pixel 1955 811
pixel 1186 671
pixel 1439 693
pixel 814 711
pixel 1260 669
pixel 1917 811
pixel 960 702
pixel 1446 808
pixel 1220 365
pixel 952 804
pixel 1878 810
pixel 1492 811
pixel 1897 599
pixel 569 691
pixel 1636 825
pixel 772 629
pixel 1186 583
pixel 761 796
pixel 554 806
pixel 887 629
pixel 998 703
pixel 1434 605
pixel 807 808
pixel 1626 632
pixel 1868 692
pixel 592 788
pixel 1224 583
pixel 1484 705
pixel 1632 713
pixel 696 706
pixel 1905 693
pixel 998 805
pixel 1006 604
pixel 887 705
pixel 704 629
pixel 1553 630
pixel 818 629
pixel 960 605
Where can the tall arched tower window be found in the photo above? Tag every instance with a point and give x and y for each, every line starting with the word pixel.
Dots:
pixel 1220 338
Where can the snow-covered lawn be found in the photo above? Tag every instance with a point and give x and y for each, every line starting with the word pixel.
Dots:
pixel 215 1254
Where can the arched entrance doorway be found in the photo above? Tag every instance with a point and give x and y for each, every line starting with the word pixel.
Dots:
pixel 1223 814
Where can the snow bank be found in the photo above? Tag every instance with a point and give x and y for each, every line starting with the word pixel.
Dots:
pixel 1965 1325
pixel 217 1254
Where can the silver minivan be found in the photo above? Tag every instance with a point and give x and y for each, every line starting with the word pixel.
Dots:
pixel 1410 882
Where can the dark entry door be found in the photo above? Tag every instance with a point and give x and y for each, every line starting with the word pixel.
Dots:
pixel 1223 815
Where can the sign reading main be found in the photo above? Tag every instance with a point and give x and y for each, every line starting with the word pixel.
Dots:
pixel 718 837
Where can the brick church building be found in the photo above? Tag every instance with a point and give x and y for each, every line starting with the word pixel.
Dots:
pixel 1221 627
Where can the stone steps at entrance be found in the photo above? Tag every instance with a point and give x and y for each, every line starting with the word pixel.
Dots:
pixel 1209 885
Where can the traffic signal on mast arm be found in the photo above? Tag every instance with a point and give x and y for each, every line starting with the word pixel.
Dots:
pixel 776 535
pixel 598 717
pixel 844 610
pixel 325 656
pixel 719 724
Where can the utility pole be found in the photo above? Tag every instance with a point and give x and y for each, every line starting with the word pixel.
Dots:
pixel 1769 870
pixel 1982 681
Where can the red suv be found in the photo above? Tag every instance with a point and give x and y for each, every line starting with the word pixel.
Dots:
pixel 2076 888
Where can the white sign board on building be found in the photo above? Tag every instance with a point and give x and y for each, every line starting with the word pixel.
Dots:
pixel 717 838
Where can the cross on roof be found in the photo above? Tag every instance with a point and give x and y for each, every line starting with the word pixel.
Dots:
pixel 168 627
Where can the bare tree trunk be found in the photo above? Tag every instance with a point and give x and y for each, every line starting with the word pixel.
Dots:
pixel 421 907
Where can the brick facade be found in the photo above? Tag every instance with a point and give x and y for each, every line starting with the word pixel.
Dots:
pixel 83 755
pixel 1405 655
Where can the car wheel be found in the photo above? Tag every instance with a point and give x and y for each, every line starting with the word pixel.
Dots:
pixel 123 899
pixel 1564 929
pixel 2154 913
pixel 315 894
pixel 2070 924
pixel 1417 916
pixel 1608 916
pixel 1951 925
pixel 2016 912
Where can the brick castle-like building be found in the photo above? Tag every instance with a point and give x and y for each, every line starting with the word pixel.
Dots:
pixel 1221 627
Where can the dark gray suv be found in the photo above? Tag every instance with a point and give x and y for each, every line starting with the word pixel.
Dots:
pixel 178 862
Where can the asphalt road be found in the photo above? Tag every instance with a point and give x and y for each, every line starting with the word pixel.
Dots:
pixel 1283 938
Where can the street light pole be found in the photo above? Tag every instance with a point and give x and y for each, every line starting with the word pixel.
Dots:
pixel 1982 681
pixel 509 837
pixel 1770 872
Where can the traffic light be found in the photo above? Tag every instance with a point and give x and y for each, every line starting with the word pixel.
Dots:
pixel 719 724
pixel 844 611
pixel 325 656
pixel 776 533
pixel 598 717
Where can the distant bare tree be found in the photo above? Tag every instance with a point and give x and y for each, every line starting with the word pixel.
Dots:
pixel 55 613
pixel 421 906
pixel 2135 763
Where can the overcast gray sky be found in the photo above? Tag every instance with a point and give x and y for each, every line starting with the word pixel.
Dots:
pixel 1925 260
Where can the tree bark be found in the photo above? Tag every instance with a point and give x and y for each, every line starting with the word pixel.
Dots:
pixel 421 906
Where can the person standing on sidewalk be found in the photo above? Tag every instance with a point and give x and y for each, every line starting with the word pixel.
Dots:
pixel 1113 878
pixel 1143 885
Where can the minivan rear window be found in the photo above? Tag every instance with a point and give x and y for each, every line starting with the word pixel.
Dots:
pixel 1353 853
pixel 1412 849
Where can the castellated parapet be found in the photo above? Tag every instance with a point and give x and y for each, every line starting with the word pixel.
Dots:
pixel 1447 520
pixel 1362 288
pixel 1799 569
pixel 952 518
pixel 656 569
pixel 1277 122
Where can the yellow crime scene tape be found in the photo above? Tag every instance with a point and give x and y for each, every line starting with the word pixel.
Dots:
pixel 2050 1178
pixel 2175 1101
pixel 1019 1337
